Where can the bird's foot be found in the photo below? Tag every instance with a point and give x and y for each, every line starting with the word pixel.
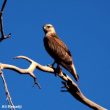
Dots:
pixel 51 65
pixel 58 70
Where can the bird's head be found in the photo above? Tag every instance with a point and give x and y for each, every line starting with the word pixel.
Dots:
pixel 48 28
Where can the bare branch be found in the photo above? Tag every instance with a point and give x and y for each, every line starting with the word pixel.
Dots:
pixel 3 6
pixel 7 91
pixel 28 71
pixel 1 23
pixel 37 65
pixel 69 84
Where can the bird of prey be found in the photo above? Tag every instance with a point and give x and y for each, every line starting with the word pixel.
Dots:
pixel 58 50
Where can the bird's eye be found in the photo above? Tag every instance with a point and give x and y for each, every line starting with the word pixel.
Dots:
pixel 48 26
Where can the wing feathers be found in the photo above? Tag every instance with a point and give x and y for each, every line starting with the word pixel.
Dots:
pixel 57 49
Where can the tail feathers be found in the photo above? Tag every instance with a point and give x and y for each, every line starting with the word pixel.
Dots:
pixel 72 70
pixel 74 73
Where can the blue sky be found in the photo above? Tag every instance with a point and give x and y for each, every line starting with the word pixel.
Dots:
pixel 83 25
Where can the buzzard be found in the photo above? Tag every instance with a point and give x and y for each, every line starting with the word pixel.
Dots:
pixel 57 49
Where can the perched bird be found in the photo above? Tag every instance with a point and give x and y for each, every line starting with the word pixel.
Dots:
pixel 58 50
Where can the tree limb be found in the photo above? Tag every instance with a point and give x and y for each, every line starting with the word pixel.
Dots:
pixel 3 6
pixel 1 23
pixel 7 91
pixel 69 84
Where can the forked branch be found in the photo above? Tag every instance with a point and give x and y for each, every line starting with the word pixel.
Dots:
pixel 69 84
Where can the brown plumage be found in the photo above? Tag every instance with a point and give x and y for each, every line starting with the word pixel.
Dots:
pixel 58 50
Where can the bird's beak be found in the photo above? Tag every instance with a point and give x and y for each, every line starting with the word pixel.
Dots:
pixel 44 29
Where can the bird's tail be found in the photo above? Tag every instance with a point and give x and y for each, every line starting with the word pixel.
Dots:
pixel 73 72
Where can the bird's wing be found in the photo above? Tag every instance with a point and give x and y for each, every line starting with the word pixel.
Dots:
pixel 58 50
pixel 62 44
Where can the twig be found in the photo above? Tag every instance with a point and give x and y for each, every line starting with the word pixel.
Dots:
pixel 3 6
pixel 7 91
pixel 69 84
pixel 28 71
pixel 1 23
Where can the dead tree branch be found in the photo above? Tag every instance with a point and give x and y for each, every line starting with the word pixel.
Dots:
pixel 3 6
pixel 7 91
pixel 69 84
pixel 1 23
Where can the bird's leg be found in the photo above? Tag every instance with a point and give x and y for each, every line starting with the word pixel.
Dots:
pixel 58 70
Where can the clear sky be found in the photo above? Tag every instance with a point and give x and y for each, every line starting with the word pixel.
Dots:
pixel 84 25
